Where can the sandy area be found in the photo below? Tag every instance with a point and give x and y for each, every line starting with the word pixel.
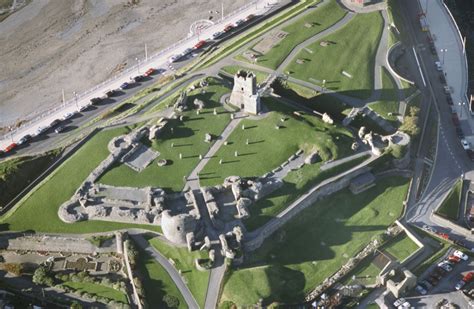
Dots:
pixel 74 44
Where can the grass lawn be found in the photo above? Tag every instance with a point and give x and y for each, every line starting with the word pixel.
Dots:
pixel 315 244
pixel 188 139
pixel 388 102
pixel 39 210
pixel 157 282
pixel 197 281
pixel 269 147
pixel 99 290
pixel 297 32
pixel 232 69
pixel 450 206
pixel 320 102
pixel 401 247
pixel 295 183
pixel 352 49
pixel 365 273
pixel 17 173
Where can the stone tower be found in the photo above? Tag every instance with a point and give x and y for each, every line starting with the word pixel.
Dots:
pixel 244 94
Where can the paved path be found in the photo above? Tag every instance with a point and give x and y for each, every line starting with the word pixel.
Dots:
pixel 332 164
pixel 175 276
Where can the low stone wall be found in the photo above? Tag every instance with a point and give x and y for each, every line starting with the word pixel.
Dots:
pixel 315 194
pixel 136 298
pixel 415 239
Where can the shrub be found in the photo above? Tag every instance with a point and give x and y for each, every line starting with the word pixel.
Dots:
pixel 76 305
pixel 227 305
pixel 171 301
pixel 13 268
pixel 41 276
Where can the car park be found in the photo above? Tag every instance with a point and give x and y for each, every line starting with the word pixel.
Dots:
pixel 442 79
pixel 124 86
pixel 461 255
pixel 59 129
pixel 429 228
pixel 447 90
pixel 83 107
pixel 149 72
pixel 55 122
pixel 2 153
pixel 111 93
pixel 445 266
pixel 449 100
pixel 455 120
pixel 432 280
pixel 426 285
pixel 465 145
pixel 468 277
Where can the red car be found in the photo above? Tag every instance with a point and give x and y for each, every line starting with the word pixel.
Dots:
pixel 468 277
pixel 149 72
pixel 454 259
pixel 443 235
pixel 228 28
pixel 10 147
pixel 199 44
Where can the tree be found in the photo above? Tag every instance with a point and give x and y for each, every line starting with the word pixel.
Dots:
pixel 76 305
pixel 410 123
pixel 13 268
pixel 171 301
pixel 41 276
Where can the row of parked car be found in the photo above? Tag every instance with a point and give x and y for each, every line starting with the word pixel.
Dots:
pixel 56 123
pixel 215 36
pixel 442 269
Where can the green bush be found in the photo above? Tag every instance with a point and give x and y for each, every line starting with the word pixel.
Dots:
pixel 171 301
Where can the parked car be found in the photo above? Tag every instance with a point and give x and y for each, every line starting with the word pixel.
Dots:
pixel 149 72
pixel 466 146
pixel 449 100
pixel 138 78
pixel 239 22
pixel 67 116
pixel 110 93
pixel 459 132
pixel 433 280
pixel 468 277
pixel 24 139
pixel 433 50
pixel 251 16
pixel 420 290
pixel 217 35
pixel 461 255
pixel 10 147
pixel 438 66
pixel 124 86
pixel 444 235
pixel 454 259
pixel 59 129
pixel 399 302
pixel 83 107
pixel 426 285
pixel 455 120
pixel 95 100
pixel 442 79
pixel 55 122
pixel 447 90
pixel 187 51
pixel 174 58
pixel 40 130
pixel 460 284
pixel 200 44
pixel 228 28
pixel 445 266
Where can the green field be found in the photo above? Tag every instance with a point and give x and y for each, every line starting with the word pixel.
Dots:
pixel 98 290
pixel 188 139
pixel 17 173
pixel 388 102
pixel 38 211
pixel 315 244
pixel 297 32
pixel 157 283
pixel 450 206
pixel 232 69
pixel 295 184
pixel 401 247
pixel 352 49
pixel 365 273
pixel 197 281
pixel 320 102
pixel 269 147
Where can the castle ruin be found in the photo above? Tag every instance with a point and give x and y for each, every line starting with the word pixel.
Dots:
pixel 244 93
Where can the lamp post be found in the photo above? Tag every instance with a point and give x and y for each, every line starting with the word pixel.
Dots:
pixel 138 65
pixel 443 51
pixel 75 98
